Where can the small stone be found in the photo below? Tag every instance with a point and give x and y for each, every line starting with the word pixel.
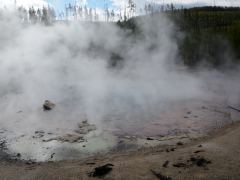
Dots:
pixel 48 105
pixel 200 161
pixel 150 139
pixel 161 176
pixel 199 151
pixel 85 121
pixel 101 170
pixel 180 143
pixel 81 131
pixel 179 165
pixel 18 155
pixel 52 155
pixel 165 165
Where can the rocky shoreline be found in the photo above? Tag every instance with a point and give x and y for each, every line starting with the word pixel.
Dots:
pixel 211 157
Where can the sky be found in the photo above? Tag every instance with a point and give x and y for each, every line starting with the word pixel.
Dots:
pixel 60 4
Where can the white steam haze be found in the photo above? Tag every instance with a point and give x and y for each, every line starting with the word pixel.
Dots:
pixel 69 65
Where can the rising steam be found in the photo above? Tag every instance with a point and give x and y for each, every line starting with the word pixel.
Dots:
pixel 69 64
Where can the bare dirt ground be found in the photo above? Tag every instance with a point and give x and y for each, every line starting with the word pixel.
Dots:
pixel 214 157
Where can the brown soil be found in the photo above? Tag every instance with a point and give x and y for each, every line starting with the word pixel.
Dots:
pixel 221 150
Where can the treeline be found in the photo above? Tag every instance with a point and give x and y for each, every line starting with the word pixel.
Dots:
pixel 197 19
pixel 84 13
pixel 211 34
pixel 130 10
pixel 46 15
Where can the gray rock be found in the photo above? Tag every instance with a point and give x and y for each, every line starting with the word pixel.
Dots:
pixel 48 105
pixel 85 128
pixel 71 138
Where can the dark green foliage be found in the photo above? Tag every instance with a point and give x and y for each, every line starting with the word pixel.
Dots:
pixel 204 47
pixel 131 26
pixel 212 34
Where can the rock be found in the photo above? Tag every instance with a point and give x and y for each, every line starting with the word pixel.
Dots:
pixel 52 155
pixel 70 138
pixel 18 155
pixel 165 165
pixel 199 151
pixel 91 128
pixel 200 161
pixel 101 170
pixel 90 163
pixel 30 162
pixel 3 144
pixel 78 136
pixel 179 165
pixel 171 149
pixel 120 141
pixel 160 176
pixel 150 139
pixel 81 131
pixel 85 128
pixel 48 105
pixel 180 143
pixel 85 121
pixel 38 134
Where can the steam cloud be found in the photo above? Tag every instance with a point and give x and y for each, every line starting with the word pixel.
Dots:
pixel 69 65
